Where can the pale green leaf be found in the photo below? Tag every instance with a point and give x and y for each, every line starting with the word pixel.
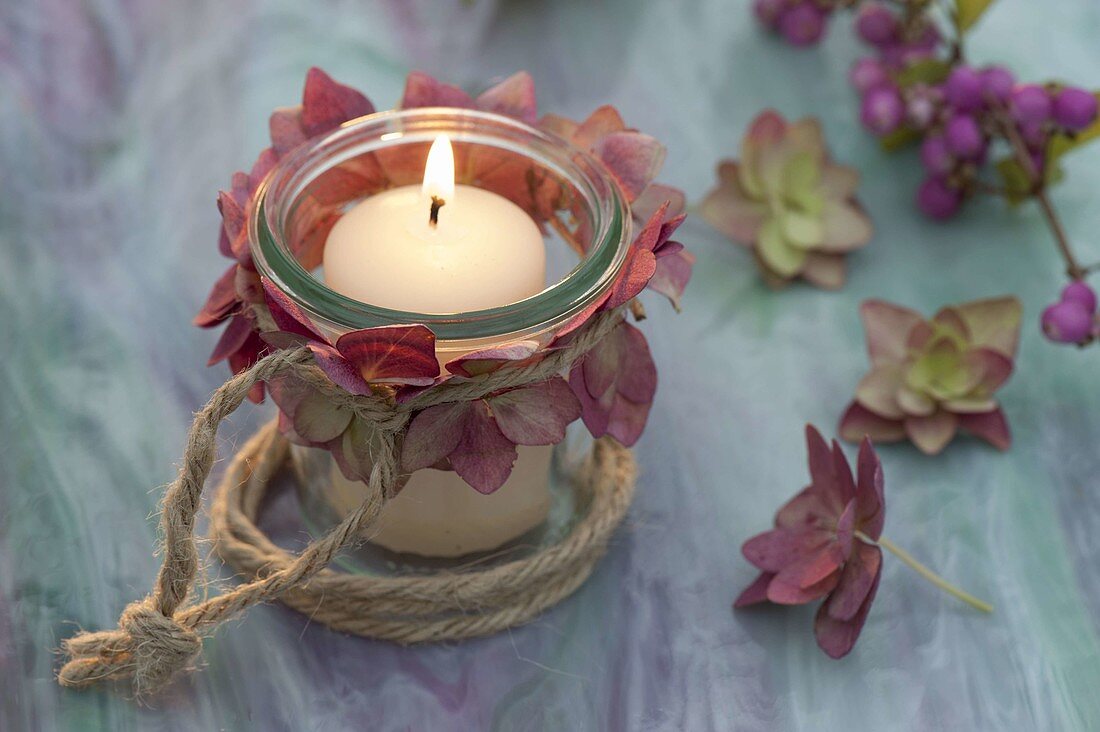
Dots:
pixel 967 12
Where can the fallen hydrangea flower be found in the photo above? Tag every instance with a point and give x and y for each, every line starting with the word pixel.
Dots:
pixel 931 378
pixel 788 202
pixel 827 543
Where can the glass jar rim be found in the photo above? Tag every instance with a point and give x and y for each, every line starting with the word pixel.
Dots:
pixel 603 201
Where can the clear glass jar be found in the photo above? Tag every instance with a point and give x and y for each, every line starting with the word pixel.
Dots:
pixel 570 194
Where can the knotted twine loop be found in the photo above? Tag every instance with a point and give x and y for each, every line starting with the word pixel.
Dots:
pixel 161 635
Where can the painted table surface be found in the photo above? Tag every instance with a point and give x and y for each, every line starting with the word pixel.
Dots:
pixel 118 122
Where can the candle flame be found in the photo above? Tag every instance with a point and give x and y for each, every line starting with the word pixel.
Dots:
pixel 439 170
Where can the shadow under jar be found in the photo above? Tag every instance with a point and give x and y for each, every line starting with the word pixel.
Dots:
pixel 586 226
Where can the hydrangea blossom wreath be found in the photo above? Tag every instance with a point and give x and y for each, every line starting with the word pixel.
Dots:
pixel 611 387
pixel 787 201
pixel 378 400
pixel 827 544
pixel 981 132
pixel 931 378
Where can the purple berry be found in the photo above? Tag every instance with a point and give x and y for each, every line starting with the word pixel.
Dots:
pixel 1080 293
pixel 997 82
pixel 876 24
pixel 1074 109
pixel 963 89
pixel 802 24
pixel 928 40
pixel 922 103
pixel 934 155
pixel 1033 134
pixel 1067 322
pixel 768 11
pixel 964 137
pixel 866 74
pixel 1030 104
pixel 937 199
pixel 882 110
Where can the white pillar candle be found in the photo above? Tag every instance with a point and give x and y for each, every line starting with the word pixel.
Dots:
pixel 442 248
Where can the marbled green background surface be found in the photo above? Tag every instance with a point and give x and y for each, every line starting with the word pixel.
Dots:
pixel 119 120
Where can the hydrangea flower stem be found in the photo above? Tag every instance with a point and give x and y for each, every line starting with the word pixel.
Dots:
pixel 925 572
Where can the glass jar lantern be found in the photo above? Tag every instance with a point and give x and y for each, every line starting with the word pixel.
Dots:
pixel 587 225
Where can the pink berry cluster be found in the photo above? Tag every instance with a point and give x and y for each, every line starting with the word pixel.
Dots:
pixel 917 86
pixel 1073 318
pixel 958 110
pixel 800 22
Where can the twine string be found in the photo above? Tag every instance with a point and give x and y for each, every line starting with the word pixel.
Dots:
pixel 161 634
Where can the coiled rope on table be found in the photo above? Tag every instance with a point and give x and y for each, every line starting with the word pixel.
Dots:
pixel 161 634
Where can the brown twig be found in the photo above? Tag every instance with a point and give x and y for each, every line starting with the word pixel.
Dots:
pixel 1038 191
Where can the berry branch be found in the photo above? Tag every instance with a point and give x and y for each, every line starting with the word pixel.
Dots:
pixel 920 87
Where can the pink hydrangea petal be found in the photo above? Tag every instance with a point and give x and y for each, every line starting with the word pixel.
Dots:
pixel 756 592
pixel 845 482
pixel 392 354
pixel 355 449
pixel 636 379
pixel 433 434
pixel 970 405
pixel 773 550
pixel 845 529
pixel 994 323
pixel 265 161
pixel 563 127
pixel 827 271
pixel 786 590
pixel 638 270
pixel 655 196
pixel 342 372
pixel 233 339
pixel 859 422
pixel 286 313
pixel 484 456
pixel 839 182
pixel 949 317
pixel 914 403
pixel 627 420
pixel 422 90
pixel 730 209
pixel 855 582
pixel 538 414
pixel 932 433
pixel 221 301
pixel 990 426
pixel 878 390
pixel 515 97
pixel 838 637
pixel 812 569
pixel 285 127
pixel 847 226
pixel 994 366
pixel 326 104
pixel 317 419
pixel 820 461
pixel 633 158
pixel 604 121
pixel 869 490
pixel 488 360
pixel 808 508
pixel 233 223
pixel 887 327
pixel 596 417
pixel 672 275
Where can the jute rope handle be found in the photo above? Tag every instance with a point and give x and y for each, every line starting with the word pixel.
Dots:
pixel 161 634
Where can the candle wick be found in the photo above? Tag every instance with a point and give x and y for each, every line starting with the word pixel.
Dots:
pixel 433 216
